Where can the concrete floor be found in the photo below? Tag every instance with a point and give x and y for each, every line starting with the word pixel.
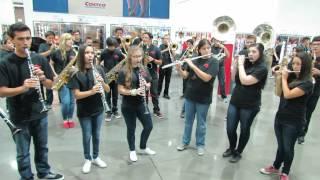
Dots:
pixel 66 154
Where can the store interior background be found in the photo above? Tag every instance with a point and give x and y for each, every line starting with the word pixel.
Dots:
pixel 287 17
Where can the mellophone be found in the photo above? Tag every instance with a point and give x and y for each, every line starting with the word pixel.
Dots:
pixel 216 56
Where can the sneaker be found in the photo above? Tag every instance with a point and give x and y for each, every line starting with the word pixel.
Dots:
pixel 227 153
pixel 269 170
pixel 133 156
pixel 284 176
pixel 166 96
pixel 148 151
pixel 235 157
pixel 182 115
pixel 66 125
pixel 200 151
pixel 99 162
pixel 117 115
pixel 108 117
pixel 301 140
pixel 51 175
pixel 86 167
pixel 182 147
pixel 71 124
pixel 158 114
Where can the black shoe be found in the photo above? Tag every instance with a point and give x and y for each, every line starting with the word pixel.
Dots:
pixel 301 140
pixel 227 153
pixel 182 115
pixel 51 175
pixel 235 157
pixel 158 114
pixel 166 96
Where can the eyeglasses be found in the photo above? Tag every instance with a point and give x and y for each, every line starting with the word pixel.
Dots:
pixel 24 38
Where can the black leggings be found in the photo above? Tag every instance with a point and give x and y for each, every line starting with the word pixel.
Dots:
pixel 130 115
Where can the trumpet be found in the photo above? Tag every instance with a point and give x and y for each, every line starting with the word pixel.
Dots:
pixel 33 76
pixel 172 47
pixel 181 62
pixel 95 73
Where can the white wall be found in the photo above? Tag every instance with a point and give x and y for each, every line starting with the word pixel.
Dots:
pixel 286 16
pixel 6 13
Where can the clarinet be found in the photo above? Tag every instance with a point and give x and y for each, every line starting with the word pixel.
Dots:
pixel 33 76
pixel 14 130
pixel 142 84
pixel 101 90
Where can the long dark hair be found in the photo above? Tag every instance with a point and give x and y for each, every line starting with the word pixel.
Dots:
pixel 305 71
pixel 201 43
pixel 80 57
pixel 260 60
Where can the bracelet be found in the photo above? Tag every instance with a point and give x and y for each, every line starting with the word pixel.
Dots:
pixel 133 92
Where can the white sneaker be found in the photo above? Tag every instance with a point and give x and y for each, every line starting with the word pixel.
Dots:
pixel 149 151
pixel 99 162
pixel 86 167
pixel 133 156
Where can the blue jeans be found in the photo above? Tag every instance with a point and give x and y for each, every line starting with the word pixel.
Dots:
pixel 130 115
pixel 90 127
pixel 38 130
pixel 67 102
pixel 286 137
pixel 245 116
pixel 191 110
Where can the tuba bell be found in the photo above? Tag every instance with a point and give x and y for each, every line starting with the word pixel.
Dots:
pixel 264 33
pixel 222 26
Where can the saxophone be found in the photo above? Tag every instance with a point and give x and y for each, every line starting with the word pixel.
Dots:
pixel 112 75
pixel 65 74
pixel 95 73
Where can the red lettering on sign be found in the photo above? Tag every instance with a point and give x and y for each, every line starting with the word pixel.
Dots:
pixel 95 5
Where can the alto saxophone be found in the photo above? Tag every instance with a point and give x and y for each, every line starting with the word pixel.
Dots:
pixel 65 74
pixel 33 76
pixel 112 75
pixel 95 73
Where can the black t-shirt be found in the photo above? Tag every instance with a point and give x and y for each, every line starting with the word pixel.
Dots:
pixel 110 58
pixel 196 89
pixel 217 50
pixel 155 53
pixel 165 56
pixel 13 71
pixel 44 47
pixel 133 101
pixel 136 41
pixel 316 90
pixel 246 96
pixel 4 53
pixel 293 111
pixel 278 52
pixel 84 81
pixel 59 62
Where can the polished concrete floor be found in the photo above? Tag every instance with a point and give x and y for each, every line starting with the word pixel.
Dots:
pixel 66 154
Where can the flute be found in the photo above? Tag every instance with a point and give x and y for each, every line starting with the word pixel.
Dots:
pixel 181 62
